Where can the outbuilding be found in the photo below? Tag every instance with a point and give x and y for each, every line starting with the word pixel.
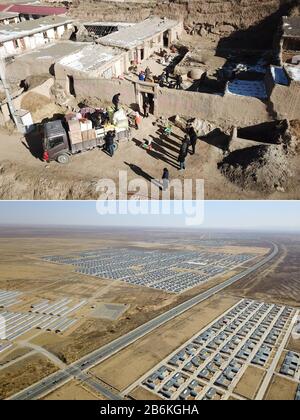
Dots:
pixel 90 62
pixel 145 38
pixel 28 35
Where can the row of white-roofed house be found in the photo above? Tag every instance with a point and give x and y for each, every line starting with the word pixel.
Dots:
pixel 18 323
pixel 8 298
pixel 59 308
pixel 4 345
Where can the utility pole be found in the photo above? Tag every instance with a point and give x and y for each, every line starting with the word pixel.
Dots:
pixel 7 93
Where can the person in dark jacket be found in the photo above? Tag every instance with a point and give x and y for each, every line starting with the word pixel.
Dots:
pixel 109 143
pixel 147 73
pixel 116 101
pixel 179 81
pixel 193 138
pixel 183 153
pixel 167 71
pixel 162 80
pixel 165 179
pixel 146 107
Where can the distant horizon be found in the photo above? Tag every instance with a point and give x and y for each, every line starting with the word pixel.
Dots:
pixel 262 216
pixel 172 228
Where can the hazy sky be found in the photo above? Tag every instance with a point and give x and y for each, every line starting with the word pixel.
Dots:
pixel 279 215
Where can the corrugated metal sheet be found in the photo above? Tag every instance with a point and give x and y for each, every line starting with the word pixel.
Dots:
pixel 37 10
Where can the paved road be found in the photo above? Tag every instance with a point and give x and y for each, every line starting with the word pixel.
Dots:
pixel 57 379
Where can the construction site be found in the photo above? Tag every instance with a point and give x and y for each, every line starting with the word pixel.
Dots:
pixel 73 325
pixel 203 89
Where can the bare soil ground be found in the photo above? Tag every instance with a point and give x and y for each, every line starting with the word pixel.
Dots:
pixel 143 394
pixel 250 382
pixel 24 176
pixel 10 356
pixel 278 282
pixel 73 391
pixel 293 345
pixel 23 374
pixel 281 389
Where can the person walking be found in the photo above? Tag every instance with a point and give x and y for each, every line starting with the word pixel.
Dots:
pixel 162 80
pixel 183 154
pixel 142 76
pixel 147 73
pixel 109 143
pixel 193 138
pixel 116 101
pixel 165 179
pixel 138 120
pixel 167 72
pixel 179 81
pixel 146 107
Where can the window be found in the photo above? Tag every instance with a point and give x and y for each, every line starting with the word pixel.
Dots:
pixel 108 73
pixel 16 43
pixel 55 141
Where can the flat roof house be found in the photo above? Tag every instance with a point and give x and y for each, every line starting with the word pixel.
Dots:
pixel 145 38
pixel 31 34
pixel 91 62
pixel 7 18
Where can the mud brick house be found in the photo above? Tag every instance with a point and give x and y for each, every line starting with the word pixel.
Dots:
pixel 31 34
pixel 145 38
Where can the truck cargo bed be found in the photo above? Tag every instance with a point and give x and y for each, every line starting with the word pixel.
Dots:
pixel 122 135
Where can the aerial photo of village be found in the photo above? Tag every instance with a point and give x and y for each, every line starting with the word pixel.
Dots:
pixel 203 89
pixel 149 201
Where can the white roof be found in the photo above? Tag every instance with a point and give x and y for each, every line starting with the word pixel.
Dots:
pixel 135 35
pixel 30 27
pixel 293 72
pixel 90 58
pixel 8 15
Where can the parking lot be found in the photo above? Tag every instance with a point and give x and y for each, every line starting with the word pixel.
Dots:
pixel 173 271
pixel 211 364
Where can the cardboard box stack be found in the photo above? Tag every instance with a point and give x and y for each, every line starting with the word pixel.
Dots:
pixel 88 135
pixel 75 131
pixel 87 131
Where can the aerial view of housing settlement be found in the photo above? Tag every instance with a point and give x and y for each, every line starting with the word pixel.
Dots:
pixel 148 309
pixel 149 203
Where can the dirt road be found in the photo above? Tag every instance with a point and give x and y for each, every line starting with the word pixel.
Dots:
pixel 23 175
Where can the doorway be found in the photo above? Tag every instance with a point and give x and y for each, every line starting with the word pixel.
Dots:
pixel 166 39
pixel 147 97
pixel 70 85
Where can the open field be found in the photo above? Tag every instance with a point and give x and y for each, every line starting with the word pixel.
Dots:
pixel 24 373
pixel 278 282
pixel 12 354
pixel 281 389
pixel 73 390
pixel 250 382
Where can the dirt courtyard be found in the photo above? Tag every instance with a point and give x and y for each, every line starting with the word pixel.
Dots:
pixel 23 175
